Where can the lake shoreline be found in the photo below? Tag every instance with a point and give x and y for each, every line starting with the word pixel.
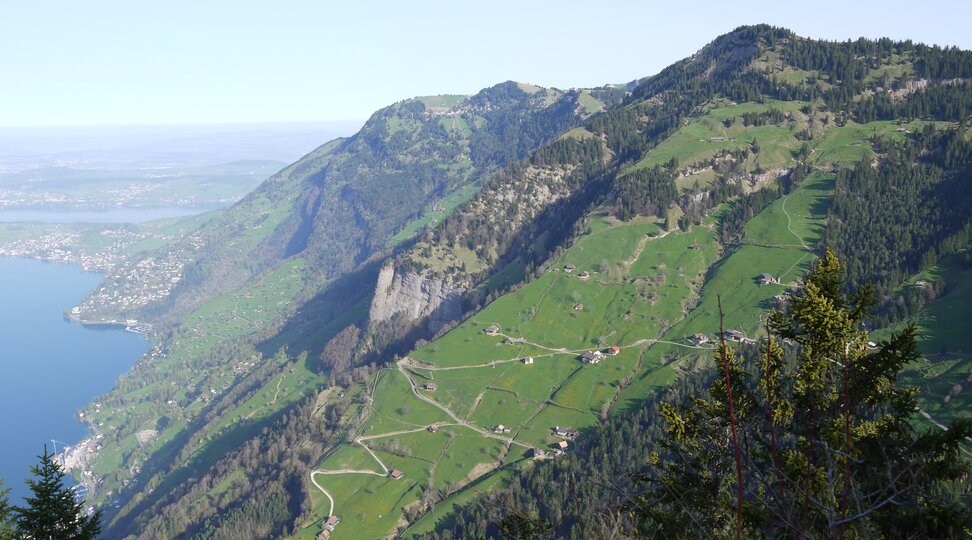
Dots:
pixel 57 369
pixel 129 325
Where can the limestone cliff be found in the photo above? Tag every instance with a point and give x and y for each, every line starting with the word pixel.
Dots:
pixel 416 296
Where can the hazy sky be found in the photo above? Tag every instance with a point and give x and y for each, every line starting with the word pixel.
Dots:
pixel 91 62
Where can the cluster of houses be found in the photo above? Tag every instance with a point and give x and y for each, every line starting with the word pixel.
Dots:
pixel 568 268
pixel 767 279
pixel 566 434
pixel 595 357
pixel 558 448
pixel 329 525
pixel 592 357
pixel 734 335
pixel 730 335
pixel 698 339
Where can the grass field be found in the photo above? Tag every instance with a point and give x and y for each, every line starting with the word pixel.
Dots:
pixel 943 325
pixel 639 280
pixel 709 135
pixel 441 516
pixel 795 220
pixel 398 407
pixel 944 373
pixel 376 503
pixel 646 289
pixel 465 452
pixel 590 103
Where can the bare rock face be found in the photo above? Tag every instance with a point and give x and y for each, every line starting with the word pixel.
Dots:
pixel 416 296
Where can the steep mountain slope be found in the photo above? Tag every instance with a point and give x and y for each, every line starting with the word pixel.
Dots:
pixel 644 294
pixel 834 83
pixel 274 398
pixel 299 244
pixel 341 204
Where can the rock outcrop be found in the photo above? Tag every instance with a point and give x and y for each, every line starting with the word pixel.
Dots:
pixel 416 296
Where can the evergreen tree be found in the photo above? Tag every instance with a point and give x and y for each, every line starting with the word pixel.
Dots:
pixel 827 437
pixel 6 515
pixel 53 512
pixel 519 526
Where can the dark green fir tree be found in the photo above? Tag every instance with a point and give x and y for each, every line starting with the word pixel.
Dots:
pixel 6 515
pixel 815 438
pixel 52 511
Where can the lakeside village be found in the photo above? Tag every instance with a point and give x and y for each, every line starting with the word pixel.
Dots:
pixel 129 283
pixel 75 458
pixel 136 282
pixel 120 195
pixel 62 246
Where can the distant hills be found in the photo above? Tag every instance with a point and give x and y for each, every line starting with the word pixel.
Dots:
pixel 332 326
pixel 102 167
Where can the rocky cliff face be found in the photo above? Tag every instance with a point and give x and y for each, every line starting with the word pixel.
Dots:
pixel 416 296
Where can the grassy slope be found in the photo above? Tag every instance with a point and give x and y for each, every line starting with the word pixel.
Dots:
pixel 196 360
pixel 641 288
pixel 946 344
pixel 433 214
pixel 234 314
pixel 227 317
pixel 700 139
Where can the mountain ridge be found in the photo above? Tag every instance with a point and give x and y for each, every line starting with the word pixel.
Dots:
pixel 587 230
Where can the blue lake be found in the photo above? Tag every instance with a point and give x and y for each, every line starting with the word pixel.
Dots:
pixel 49 367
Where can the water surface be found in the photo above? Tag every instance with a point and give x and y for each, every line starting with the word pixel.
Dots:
pixel 49 367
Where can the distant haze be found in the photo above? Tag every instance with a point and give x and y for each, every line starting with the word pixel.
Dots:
pixel 207 143
pixel 176 170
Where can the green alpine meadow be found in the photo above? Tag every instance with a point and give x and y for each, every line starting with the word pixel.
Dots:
pixel 731 299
